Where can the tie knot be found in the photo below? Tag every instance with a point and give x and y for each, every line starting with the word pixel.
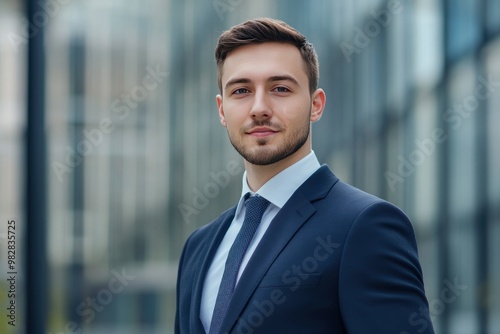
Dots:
pixel 255 206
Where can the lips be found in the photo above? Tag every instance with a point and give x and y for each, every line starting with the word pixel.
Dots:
pixel 261 132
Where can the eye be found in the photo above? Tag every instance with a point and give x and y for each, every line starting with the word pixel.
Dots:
pixel 281 89
pixel 241 91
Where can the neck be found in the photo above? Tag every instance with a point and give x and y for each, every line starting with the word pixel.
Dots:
pixel 258 175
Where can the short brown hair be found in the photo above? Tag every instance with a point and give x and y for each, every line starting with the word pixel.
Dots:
pixel 267 30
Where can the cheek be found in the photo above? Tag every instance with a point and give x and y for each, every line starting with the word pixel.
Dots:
pixel 233 122
pixel 293 106
pixel 235 113
pixel 231 118
pixel 293 112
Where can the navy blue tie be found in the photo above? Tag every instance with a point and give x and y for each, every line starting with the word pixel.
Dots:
pixel 255 207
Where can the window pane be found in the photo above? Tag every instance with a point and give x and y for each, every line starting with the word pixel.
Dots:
pixel 463 26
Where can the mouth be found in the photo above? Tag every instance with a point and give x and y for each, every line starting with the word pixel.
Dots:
pixel 261 132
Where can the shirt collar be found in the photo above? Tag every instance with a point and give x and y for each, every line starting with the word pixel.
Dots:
pixel 281 187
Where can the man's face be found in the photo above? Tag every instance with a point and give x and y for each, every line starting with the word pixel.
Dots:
pixel 266 105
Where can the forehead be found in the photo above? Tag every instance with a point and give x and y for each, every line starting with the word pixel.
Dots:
pixel 261 61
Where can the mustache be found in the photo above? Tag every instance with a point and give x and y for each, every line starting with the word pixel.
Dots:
pixel 266 123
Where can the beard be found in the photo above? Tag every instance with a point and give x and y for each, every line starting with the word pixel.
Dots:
pixel 265 154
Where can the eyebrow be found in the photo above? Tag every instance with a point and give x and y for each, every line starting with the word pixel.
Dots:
pixel 270 79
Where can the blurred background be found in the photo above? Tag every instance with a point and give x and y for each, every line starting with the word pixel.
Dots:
pixel 111 151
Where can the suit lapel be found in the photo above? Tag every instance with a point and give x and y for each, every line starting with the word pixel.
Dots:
pixel 287 222
pixel 215 237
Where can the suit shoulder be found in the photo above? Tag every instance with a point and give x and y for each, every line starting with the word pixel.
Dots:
pixel 346 193
pixel 352 203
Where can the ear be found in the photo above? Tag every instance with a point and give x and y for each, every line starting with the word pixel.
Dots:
pixel 218 98
pixel 318 102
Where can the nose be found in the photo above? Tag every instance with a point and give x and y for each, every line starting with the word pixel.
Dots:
pixel 261 108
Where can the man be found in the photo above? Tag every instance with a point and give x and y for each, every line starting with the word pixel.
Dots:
pixel 301 252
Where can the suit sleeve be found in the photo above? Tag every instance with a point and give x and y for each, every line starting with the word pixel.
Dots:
pixel 381 288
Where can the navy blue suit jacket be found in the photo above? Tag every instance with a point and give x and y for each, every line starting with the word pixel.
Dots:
pixel 334 260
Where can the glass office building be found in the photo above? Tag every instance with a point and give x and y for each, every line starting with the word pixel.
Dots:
pixel 136 158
